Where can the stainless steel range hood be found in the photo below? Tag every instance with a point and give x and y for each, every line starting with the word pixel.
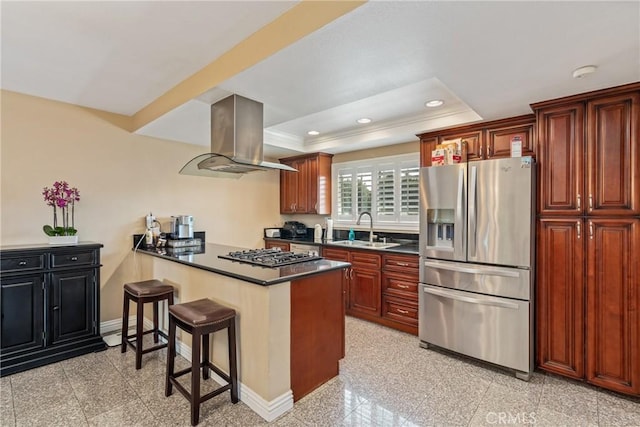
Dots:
pixel 236 141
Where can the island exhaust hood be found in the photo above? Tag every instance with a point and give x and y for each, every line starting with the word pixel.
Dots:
pixel 236 141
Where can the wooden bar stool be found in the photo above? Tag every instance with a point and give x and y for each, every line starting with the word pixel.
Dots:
pixel 201 318
pixel 141 293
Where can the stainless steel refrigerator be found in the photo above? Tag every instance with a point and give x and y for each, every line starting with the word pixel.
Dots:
pixel 477 258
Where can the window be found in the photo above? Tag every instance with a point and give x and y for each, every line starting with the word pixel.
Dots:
pixel 388 188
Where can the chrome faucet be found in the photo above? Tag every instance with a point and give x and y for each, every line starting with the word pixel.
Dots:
pixel 370 224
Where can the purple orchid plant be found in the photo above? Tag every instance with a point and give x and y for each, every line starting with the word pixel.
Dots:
pixel 60 195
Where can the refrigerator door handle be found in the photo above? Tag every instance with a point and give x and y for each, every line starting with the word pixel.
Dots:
pixel 471 300
pixel 494 271
pixel 472 212
pixel 459 220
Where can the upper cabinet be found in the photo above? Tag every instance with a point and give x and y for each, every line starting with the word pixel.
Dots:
pixel 486 140
pixel 588 153
pixel 307 191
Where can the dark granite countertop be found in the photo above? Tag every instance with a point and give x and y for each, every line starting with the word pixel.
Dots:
pixel 206 258
pixel 410 248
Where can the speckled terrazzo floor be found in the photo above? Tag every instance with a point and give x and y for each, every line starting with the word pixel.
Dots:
pixel 385 380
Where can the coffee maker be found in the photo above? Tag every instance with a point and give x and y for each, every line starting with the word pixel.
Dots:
pixel 182 227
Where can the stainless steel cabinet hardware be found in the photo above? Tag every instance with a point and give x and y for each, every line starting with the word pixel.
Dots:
pixel 579 204
pixel 22 263
pixel 402 311
pixel 590 202
pixel 590 230
pixel 578 228
pixel 403 286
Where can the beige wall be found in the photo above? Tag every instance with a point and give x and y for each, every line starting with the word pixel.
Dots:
pixel 121 177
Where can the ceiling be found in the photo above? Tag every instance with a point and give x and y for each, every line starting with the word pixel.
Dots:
pixel 382 60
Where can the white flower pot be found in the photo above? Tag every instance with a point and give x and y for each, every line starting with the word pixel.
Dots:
pixel 63 240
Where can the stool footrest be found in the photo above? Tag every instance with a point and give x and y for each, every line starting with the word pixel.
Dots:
pixel 132 342
pixel 204 398
pixel 161 333
pixel 211 366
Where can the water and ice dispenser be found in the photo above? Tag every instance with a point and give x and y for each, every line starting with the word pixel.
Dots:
pixel 440 228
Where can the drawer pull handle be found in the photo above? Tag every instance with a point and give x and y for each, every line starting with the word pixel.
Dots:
pixel 56 308
pixel 22 263
pixel 401 311
pixel 403 264
pixel 73 258
pixel 403 286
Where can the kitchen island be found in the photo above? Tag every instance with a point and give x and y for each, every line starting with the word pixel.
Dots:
pixel 290 319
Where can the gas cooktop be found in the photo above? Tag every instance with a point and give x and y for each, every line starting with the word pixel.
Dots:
pixel 274 257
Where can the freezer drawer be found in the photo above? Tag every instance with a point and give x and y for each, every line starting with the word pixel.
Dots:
pixel 497 330
pixel 484 279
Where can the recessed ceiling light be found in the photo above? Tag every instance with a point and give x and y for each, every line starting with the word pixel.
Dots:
pixel 364 120
pixel 313 133
pixel 581 72
pixel 434 103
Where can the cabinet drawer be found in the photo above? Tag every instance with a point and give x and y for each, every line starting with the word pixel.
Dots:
pixel 73 258
pixel 335 254
pixel 22 263
pixel 408 264
pixel 400 285
pixel 400 310
pixel 366 260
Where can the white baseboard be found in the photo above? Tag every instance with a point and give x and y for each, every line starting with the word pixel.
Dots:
pixel 269 410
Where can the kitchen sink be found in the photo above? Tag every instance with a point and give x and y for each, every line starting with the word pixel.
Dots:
pixel 363 244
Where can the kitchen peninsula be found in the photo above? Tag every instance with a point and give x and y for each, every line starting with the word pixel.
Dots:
pixel 290 318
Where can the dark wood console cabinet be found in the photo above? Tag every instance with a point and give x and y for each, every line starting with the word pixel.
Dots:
pixel 49 297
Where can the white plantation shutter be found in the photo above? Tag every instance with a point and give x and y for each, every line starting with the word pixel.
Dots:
pixel 344 198
pixel 385 193
pixel 345 194
pixel 387 187
pixel 364 190
pixel 410 192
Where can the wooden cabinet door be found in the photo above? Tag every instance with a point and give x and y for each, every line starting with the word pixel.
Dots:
pixel 364 291
pixel 340 255
pixel 288 190
pixel 613 155
pixel 365 282
pixel 310 195
pixel 613 304
pixel 22 322
pixel 472 144
pixel 427 145
pixel 560 296
pixel 499 140
pixel 71 304
pixel 301 204
pixel 560 154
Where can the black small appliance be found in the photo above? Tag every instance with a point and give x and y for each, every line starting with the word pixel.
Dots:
pixel 293 229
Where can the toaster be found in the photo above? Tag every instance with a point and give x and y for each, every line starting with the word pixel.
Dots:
pixel 271 232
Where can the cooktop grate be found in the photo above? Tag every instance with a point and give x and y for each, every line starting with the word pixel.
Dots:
pixel 274 257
